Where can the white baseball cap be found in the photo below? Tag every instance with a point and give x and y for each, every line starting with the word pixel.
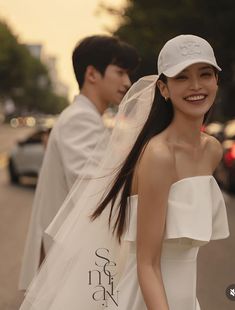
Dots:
pixel 183 51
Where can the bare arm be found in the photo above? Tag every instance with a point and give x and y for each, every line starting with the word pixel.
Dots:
pixel 155 176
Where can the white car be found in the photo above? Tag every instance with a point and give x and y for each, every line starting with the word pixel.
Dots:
pixel 26 157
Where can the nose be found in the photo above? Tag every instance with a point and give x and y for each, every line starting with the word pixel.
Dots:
pixel 195 83
pixel 126 81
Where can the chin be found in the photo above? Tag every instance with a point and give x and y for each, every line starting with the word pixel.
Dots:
pixel 196 116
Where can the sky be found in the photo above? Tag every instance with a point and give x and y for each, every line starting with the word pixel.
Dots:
pixel 58 25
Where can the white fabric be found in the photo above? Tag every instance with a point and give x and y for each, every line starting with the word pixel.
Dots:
pixel 63 280
pixel 183 51
pixel 63 277
pixel 72 140
pixel 187 211
pixel 178 260
pixel 133 112
pixel 76 238
pixel 196 214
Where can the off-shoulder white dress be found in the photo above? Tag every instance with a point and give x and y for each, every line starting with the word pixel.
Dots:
pixel 196 214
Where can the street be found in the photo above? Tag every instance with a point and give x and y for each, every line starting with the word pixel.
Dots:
pixel 215 261
pixel 216 267
pixel 15 206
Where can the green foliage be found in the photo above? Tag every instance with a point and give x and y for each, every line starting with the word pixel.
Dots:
pixel 52 104
pixel 24 78
pixel 12 62
pixel 148 24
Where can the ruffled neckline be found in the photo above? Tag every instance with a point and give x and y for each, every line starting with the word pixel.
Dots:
pixel 209 176
pixel 196 211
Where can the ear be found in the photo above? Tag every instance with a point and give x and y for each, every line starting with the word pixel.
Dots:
pixel 163 89
pixel 91 74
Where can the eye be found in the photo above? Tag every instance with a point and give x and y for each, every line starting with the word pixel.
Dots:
pixel 181 77
pixel 207 73
pixel 120 72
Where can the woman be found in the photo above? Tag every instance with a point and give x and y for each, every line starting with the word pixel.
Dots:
pixel 166 174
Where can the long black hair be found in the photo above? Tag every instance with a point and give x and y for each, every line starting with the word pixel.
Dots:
pixel 160 117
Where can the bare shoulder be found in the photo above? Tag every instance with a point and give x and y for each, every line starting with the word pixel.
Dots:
pixel 214 149
pixel 158 162
pixel 158 153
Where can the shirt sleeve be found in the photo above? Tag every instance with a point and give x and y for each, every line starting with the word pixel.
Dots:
pixel 79 138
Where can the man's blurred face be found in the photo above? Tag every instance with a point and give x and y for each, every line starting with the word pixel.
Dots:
pixel 113 85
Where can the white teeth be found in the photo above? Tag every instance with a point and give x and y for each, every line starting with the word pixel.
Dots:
pixel 194 98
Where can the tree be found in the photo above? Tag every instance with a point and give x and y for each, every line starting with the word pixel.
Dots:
pixel 12 62
pixel 24 78
pixel 148 24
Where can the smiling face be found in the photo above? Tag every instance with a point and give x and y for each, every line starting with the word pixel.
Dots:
pixel 192 91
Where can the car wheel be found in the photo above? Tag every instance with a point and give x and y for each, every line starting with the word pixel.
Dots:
pixel 14 177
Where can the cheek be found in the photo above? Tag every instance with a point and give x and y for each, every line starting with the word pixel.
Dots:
pixel 176 95
pixel 215 89
pixel 175 90
pixel 113 81
pixel 213 84
pixel 109 83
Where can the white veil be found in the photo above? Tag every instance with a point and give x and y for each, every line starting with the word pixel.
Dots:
pixel 86 260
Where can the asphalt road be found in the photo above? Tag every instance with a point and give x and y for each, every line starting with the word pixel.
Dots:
pixel 215 260
pixel 15 206
pixel 216 270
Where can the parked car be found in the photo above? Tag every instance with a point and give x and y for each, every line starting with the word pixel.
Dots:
pixel 26 157
pixel 225 173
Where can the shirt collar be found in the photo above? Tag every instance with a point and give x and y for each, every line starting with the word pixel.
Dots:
pixel 81 98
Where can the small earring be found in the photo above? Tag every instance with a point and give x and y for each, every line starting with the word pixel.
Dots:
pixel 166 99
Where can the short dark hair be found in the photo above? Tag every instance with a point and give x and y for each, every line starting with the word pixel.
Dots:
pixel 101 51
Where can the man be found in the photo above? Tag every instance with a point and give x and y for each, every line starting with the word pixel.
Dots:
pixel 102 65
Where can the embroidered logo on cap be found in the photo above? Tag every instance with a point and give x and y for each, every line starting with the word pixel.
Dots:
pixel 190 49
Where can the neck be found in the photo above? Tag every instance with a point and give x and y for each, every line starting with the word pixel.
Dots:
pixel 93 96
pixel 186 131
